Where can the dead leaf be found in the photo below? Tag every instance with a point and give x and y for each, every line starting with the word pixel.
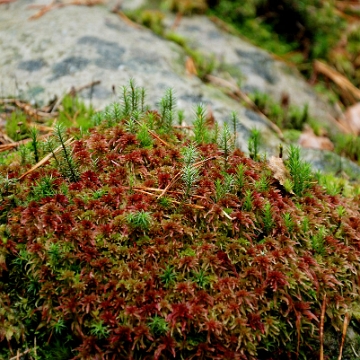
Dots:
pixel 351 119
pixel 6 1
pixel 190 66
pixel 308 139
pixel 280 172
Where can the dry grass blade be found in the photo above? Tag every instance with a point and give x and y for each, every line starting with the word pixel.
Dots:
pixel 322 319
pixel 350 91
pixel 346 324
pixel 46 159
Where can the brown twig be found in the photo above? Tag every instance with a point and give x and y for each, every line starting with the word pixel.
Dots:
pixel 322 319
pixel 46 158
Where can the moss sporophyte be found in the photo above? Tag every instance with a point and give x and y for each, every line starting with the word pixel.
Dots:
pixel 140 239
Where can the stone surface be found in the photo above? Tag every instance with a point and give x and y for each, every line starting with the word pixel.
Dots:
pixel 260 70
pixel 73 46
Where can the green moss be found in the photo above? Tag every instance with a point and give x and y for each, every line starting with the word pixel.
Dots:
pixel 16 126
pixel 160 245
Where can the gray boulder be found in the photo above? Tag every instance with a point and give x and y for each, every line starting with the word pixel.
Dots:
pixel 72 46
